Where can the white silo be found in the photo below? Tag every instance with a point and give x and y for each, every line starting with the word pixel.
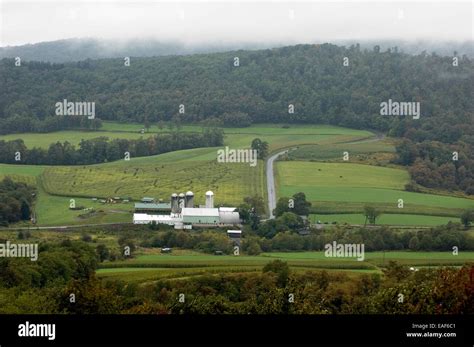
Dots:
pixel 189 199
pixel 181 200
pixel 209 199
pixel 174 203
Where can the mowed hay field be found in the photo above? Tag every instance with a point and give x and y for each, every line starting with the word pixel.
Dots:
pixel 346 188
pixel 152 267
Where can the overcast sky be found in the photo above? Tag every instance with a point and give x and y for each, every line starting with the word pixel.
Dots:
pixel 198 22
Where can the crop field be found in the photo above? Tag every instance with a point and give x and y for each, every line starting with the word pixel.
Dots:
pixel 169 266
pixel 390 219
pixel 230 182
pixel 346 188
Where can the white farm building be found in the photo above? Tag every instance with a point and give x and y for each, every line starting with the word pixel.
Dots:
pixel 184 215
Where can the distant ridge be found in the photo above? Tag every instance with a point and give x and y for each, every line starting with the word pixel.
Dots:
pixel 78 49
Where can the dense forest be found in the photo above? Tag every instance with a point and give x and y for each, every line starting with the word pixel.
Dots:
pixel 310 77
pixel 16 200
pixel 101 149
pixel 435 164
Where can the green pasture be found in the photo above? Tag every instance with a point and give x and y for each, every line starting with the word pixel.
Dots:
pixel 346 187
pixel 43 140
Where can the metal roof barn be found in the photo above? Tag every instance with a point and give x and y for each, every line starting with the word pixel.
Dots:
pixel 143 218
pixel 200 215
pixel 150 207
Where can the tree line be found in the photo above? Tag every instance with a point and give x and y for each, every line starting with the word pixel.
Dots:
pixel 22 123
pixel 435 164
pixel 16 201
pixel 440 238
pixel 101 149
pixel 281 234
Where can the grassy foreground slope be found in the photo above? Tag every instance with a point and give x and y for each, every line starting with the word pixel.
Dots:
pixel 347 187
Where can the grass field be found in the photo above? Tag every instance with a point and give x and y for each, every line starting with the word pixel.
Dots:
pixel 74 137
pixel 159 266
pixel 390 219
pixel 346 187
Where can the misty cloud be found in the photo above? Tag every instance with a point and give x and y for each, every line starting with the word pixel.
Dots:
pixel 267 22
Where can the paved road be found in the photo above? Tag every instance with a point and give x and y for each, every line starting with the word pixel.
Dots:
pixel 271 183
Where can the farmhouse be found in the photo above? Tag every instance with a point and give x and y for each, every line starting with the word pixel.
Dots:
pixel 181 213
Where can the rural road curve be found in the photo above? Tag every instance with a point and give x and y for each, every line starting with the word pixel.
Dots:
pixel 271 177
pixel 271 183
